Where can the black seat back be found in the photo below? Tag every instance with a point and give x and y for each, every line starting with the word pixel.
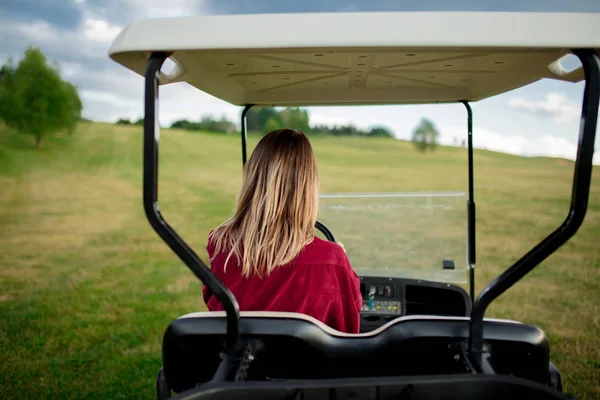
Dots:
pixel 462 387
pixel 289 346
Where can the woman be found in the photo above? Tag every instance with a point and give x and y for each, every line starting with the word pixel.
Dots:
pixel 267 253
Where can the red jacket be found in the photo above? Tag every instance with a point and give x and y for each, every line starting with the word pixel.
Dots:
pixel 319 282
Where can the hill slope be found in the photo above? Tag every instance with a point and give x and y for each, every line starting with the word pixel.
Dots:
pixel 87 288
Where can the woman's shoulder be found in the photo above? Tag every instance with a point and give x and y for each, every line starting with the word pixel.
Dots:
pixel 327 263
pixel 321 251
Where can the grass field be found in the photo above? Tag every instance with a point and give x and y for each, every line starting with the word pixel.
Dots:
pixel 87 288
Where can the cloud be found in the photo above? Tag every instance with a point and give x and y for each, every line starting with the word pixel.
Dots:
pixel 279 6
pixel 108 97
pixel 125 12
pixel 556 105
pixel 60 14
pixel 100 31
pixel 539 145
pixel 38 31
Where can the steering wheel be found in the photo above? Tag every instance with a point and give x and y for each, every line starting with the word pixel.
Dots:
pixel 325 231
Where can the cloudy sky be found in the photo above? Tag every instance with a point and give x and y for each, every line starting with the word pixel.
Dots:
pixel 541 119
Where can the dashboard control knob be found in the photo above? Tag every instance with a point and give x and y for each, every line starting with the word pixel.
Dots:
pixel 388 291
pixel 372 291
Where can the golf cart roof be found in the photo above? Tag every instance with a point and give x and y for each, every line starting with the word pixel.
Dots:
pixel 360 58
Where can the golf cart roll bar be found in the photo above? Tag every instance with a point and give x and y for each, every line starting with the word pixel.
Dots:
pixel 175 242
pixel 579 201
pixel 243 131
pixel 470 205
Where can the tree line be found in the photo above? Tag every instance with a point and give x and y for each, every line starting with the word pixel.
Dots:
pixel 35 100
pixel 266 119
pixel 125 121
pixel 425 135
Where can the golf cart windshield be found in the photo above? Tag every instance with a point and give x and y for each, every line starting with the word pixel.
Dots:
pixel 406 235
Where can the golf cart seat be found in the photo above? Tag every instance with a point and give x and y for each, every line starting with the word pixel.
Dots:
pixel 292 346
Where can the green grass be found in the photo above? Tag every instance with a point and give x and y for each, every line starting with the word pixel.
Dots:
pixel 87 288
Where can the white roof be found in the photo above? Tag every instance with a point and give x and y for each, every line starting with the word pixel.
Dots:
pixel 360 58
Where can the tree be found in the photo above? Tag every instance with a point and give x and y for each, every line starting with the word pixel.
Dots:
pixel 206 124
pixel 290 117
pixel 295 118
pixel 380 131
pixel 35 100
pixel 186 125
pixel 7 88
pixel 74 109
pixel 257 117
pixel 271 125
pixel 425 136
pixel 210 124
pixel 267 119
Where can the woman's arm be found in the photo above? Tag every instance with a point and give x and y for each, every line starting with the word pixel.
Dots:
pixel 345 315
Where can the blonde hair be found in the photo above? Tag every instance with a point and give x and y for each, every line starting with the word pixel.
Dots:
pixel 277 205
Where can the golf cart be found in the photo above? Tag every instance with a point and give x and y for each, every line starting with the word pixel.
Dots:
pixel 422 336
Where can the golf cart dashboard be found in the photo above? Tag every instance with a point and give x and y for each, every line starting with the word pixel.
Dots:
pixel 381 298
pixel 385 299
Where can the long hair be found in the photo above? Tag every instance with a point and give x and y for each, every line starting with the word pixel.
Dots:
pixel 276 207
